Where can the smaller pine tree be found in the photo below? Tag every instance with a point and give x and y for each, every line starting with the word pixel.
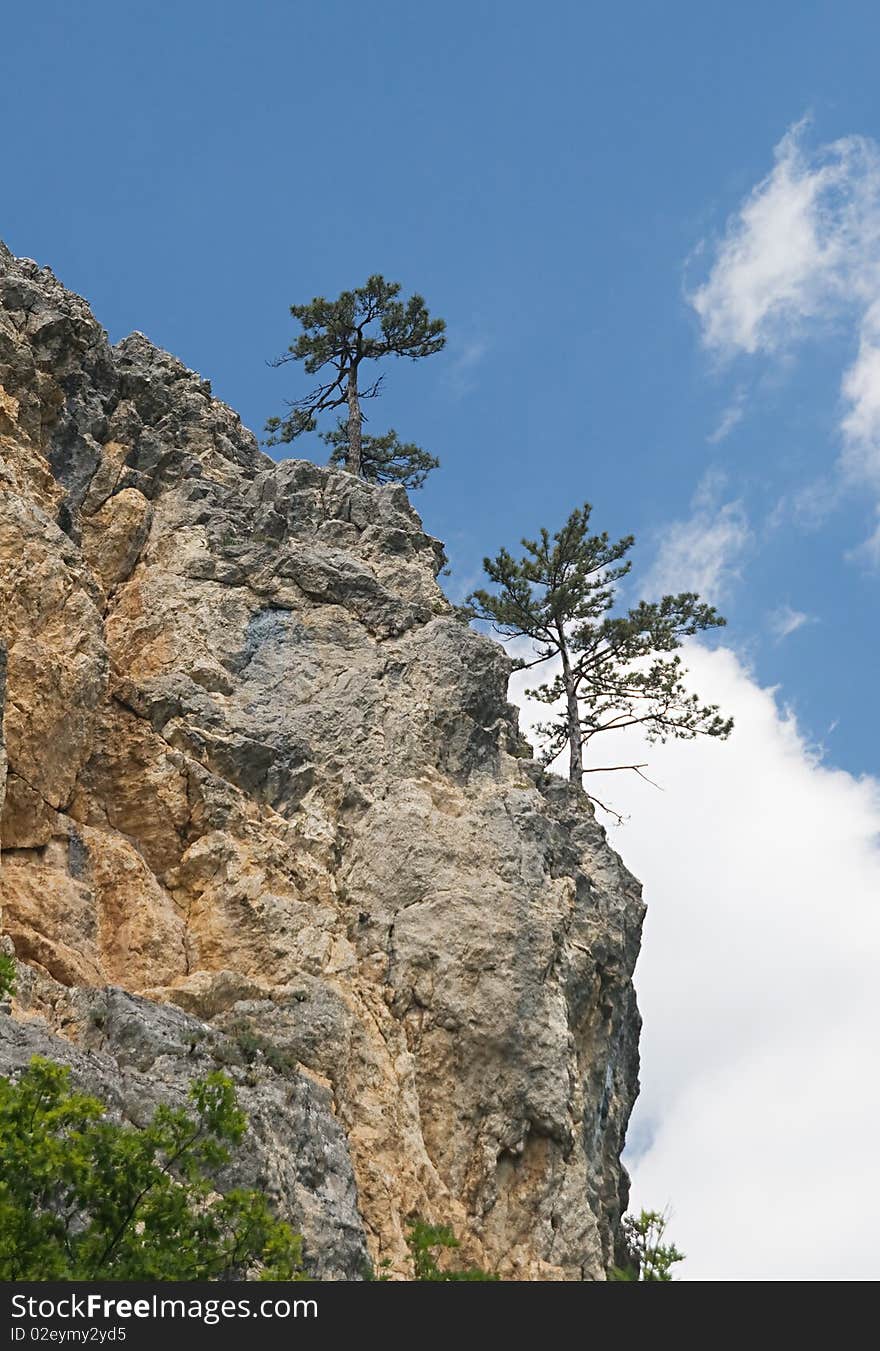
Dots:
pixel 615 670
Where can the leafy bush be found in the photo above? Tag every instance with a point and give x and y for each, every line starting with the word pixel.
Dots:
pixel 7 975
pixel 84 1198
pixel 424 1242
pixel 253 1047
pixel 650 1258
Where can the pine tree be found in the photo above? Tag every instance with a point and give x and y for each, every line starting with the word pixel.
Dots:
pixel 614 671
pixel 339 337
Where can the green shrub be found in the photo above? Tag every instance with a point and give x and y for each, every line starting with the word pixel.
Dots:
pixel 85 1198
pixel 7 975
pixel 650 1258
pixel 254 1047
pixel 424 1242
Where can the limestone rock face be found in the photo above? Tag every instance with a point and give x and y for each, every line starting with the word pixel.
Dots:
pixel 257 772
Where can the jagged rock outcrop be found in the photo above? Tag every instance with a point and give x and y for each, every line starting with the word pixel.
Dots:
pixel 263 777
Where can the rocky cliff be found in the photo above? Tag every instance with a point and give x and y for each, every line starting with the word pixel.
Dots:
pixel 264 805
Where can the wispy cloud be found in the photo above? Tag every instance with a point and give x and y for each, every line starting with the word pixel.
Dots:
pixel 868 553
pixel 808 506
pixel 802 251
pixel 861 390
pixel 703 552
pixel 783 621
pixel 804 244
pixel 461 371
pixel 812 503
pixel 732 415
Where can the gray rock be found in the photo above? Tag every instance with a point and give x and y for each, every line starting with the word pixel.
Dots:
pixel 303 804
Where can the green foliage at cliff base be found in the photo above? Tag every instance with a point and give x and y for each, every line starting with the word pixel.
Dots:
pixel 83 1197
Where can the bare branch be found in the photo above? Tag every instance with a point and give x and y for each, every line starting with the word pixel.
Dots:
pixel 610 810
pixel 609 769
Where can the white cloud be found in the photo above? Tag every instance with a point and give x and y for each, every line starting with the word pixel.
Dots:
pixel 730 418
pixel 757 984
pixel 861 390
pixel 702 553
pixel 812 503
pixel 802 250
pixel 804 243
pixel 784 621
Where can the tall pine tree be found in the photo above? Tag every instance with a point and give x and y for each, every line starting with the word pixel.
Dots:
pixel 340 337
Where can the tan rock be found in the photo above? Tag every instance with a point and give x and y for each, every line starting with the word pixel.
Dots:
pixel 141 933
pixel 49 913
pixel 26 820
pixel 259 769
pixel 114 536
pixel 56 655
pixel 135 786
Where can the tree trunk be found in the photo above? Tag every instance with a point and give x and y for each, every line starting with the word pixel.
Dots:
pixel 353 456
pixel 575 745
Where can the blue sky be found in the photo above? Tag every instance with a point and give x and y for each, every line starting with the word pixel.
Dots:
pixel 546 176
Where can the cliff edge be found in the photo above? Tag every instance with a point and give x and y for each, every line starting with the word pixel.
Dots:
pixel 265 805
